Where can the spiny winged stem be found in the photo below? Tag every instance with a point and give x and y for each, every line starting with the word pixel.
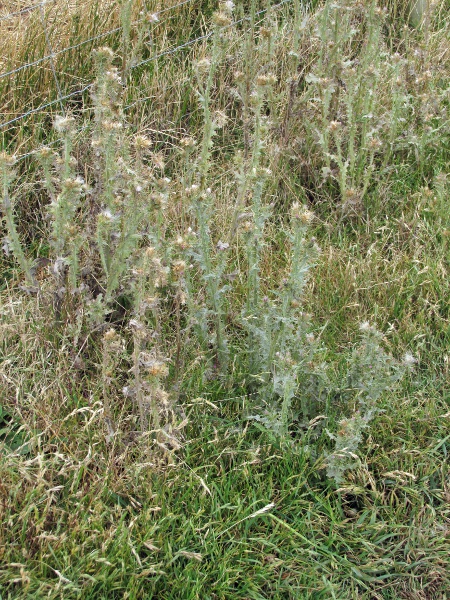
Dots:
pixel 119 186
pixel 148 367
pixel 204 95
pixel 253 176
pixel 303 255
pixel 255 241
pixel 111 351
pixel 327 54
pixel 286 339
pixel 266 49
pixel 248 165
pixel 362 139
pixel 244 80
pixel 67 238
pixel 7 175
pixel 131 49
pixel 105 142
pixel 399 100
pixel 292 81
pixel 178 271
pixel 202 202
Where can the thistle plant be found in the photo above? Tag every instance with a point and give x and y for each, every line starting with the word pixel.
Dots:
pixel 66 192
pixel 145 260
pixel 117 231
pixel 348 115
pixel 201 197
pixel 12 242
pixel 282 347
pixel 372 371
pixel 149 367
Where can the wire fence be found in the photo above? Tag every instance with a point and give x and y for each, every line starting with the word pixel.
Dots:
pixel 13 82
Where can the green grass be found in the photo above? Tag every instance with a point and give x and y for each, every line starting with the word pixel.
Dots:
pixel 112 528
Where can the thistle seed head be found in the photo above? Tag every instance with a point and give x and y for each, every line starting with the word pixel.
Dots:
pixel 203 65
pixel 63 124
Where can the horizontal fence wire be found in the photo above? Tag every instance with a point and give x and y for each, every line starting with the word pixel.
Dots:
pixel 26 10
pixel 87 87
pixel 87 41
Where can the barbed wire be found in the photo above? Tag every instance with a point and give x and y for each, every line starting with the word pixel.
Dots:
pixel 88 40
pixel 34 7
pixel 157 56
pixel 28 9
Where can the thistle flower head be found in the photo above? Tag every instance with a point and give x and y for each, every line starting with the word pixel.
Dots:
pixel 227 6
pixel 220 119
pixel 301 213
pixel 45 153
pixel 334 125
pixel 221 19
pixel 110 335
pixel 178 268
pixel 203 65
pixel 73 184
pixel 6 160
pixel 187 142
pixel 141 142
pixel 222 245
pixel 156 368
pixel 63 124
pixel 266 80
pixel 409 360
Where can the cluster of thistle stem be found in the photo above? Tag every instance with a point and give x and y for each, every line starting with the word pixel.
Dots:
pixel 74 222
pixel 132 48
pixel 96 234
pixel 149 367
pixel 281 347
pixel 350 115
pixel 119 186
pixel 210 257
pixel 66 191
pixel 278 346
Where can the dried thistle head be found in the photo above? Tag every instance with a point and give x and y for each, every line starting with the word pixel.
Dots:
pixel 220 119
pixel 187 143
pixel 156 368
pixel 6 162
pixel 178 268
pixel 301 213
pixel 334 126
pixel 142 143
pixel 46 154
pixel 203 65
pixel 266 80
pixel 221 19
pixel 103 57
pixel 227 7
pixel 64 124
